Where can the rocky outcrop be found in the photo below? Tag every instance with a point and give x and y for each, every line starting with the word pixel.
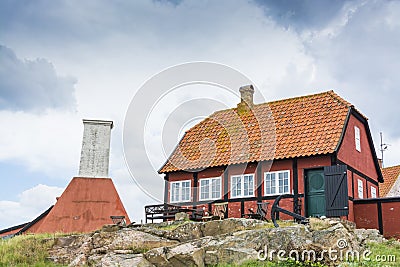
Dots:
pixel 183 243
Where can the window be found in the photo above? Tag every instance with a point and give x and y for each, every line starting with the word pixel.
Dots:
pixel 210 188
pixel 242 185
pixel 357 138
pixel 360 189
pixel 373 192
pixel 180 191
pixel 277 182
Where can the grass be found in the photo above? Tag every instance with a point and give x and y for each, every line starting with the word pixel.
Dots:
pixel 382 255
pixel 26 250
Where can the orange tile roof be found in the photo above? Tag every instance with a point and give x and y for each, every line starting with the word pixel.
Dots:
pixel 295 127
pixel 390 175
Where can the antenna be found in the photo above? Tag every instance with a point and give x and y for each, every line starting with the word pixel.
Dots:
pixel 384 147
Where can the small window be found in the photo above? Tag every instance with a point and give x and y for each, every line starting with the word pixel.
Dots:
pixel 180 191
pixel 210 188
pixel 277 182
pixel 360 189
pixel 242 185
pixel 357 138
pixel 373 192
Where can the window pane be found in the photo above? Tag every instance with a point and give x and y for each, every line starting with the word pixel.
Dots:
pixel 175 192
pixel 268 184
pixel 185 191
pixel 286 182
pixel 280 182
pixel 236 186
pixel 239 186
pixel 204 189
pixel 246 186
pixel 251 185
pixel 273 183
pixel 216 185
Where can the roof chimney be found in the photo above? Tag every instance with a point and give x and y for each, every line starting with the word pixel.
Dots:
pixel 95 152
pixel 246 95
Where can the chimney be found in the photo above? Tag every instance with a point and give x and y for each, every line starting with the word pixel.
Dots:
pixel 380 161
pixel 246 95
pixel 95 152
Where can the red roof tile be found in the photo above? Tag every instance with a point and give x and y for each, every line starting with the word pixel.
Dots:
pixel 295 127
pixel 390 175
pixel 86 205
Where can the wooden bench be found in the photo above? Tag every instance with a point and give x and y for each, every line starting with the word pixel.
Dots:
pixel 118 220
pixel 161 211
pixel 164 211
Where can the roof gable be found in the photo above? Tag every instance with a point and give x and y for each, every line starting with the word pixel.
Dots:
pixel 390 175
pixel 295 127
pixel 85 205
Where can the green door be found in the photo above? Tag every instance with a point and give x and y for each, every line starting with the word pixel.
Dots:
pixel 315 193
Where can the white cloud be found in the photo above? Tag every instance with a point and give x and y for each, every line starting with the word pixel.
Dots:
pixel 32 84
pixel 113 48
pixel 49 143
pixel 31 203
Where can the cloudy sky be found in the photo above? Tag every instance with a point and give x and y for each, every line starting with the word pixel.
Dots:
pixel 61 61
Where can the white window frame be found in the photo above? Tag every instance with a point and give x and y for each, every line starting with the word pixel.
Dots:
pixel 180 188
pixel 276 186
pixel 357 138
pixel 373 192
pixel 243 188
pixel 360 188
pixel 211 181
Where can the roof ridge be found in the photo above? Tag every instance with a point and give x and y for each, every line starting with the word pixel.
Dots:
pixel 298 97
pixel 329 92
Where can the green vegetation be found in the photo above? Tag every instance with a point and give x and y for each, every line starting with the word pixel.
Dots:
pixel 382 255
pixel 26 250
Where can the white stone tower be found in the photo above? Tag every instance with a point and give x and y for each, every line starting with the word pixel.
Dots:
pixel 95 148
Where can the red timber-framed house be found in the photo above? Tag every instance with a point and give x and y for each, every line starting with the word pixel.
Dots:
pixel 317 148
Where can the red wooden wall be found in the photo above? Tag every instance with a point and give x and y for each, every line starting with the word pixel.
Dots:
pixel 380 213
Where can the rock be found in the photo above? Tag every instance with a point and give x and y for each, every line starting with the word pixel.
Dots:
pixel 194 230
pixel 110 228
pixel 368 235
pixel 113 259
pixel 186 232
pixel 71 250
pixel 181 216
pixel 319 224
pixel 79 250
pixel 207 243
